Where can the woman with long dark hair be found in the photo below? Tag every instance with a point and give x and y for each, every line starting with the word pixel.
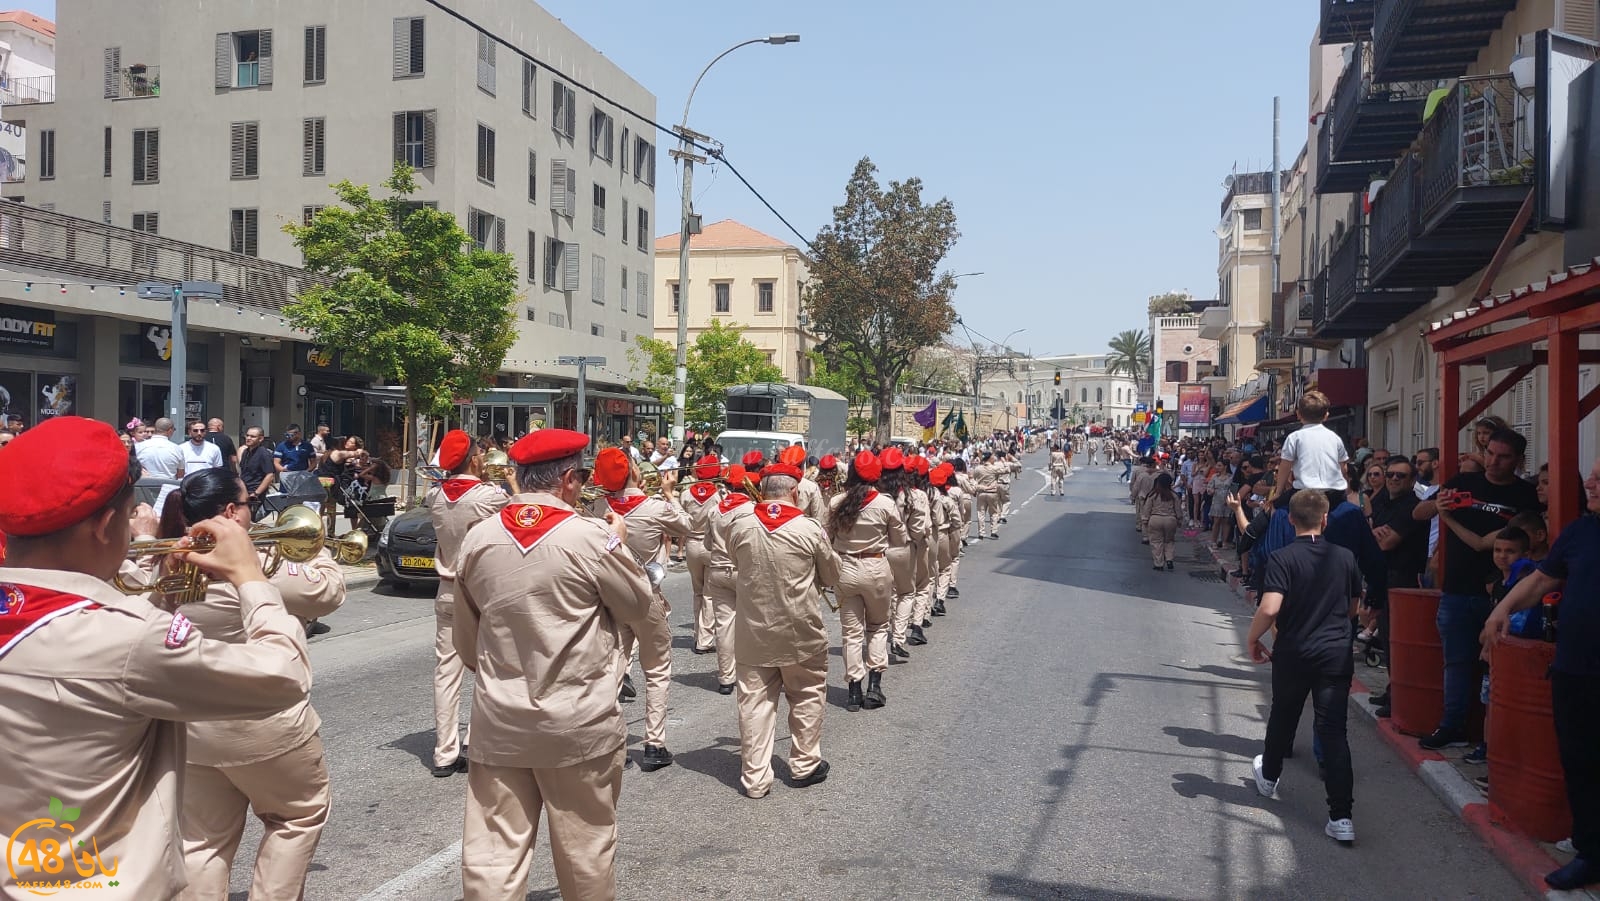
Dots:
pixel 273 765
pixel 864 525
pixel 1161 522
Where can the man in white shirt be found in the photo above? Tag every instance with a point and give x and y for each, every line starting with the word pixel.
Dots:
pixel 663 452
pixel 633 452
pixel 198 453
pixel 1313 455
pixel 158 456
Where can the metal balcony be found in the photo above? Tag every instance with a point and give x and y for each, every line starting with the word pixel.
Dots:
pixel 28 89
pixel 1342 177
pixel 1350 306
pixel 1373 120
pixel 1345 21
pixel 1273 351
pixel 1477 161
pixel 1417 40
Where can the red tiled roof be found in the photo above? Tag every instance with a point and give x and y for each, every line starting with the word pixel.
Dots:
pixel 29 20
pixel 724 235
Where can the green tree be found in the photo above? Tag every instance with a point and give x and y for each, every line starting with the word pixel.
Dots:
pixel 846 381
pixel 720 356
pixel 405 296
pixel 876 293
pixel 1171 303
pixel 1133 355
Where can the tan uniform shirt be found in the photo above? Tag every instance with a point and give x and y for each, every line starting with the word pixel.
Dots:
pixel 811 500
pixel 717 525
pixel 877 528
pixel 1143 482
pixel 650 521
pixel 986 478
pixel 452 519
pixel 1159 507
pixel 918 516
pixel 309 590
pixel 1058 460
pixel 777 620
pixel 92 706
pixel 536 614
pixel 699 511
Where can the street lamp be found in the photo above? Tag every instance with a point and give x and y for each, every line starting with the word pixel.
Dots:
pixel 691 226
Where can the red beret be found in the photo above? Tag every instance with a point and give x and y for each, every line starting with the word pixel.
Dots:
pixel 60 473
pixel 794 455
pixel 753 460
pixel 707 467
pixel 736 476
pixel 454 449
pixel 611 469
pixel 920 464
pixel 939 475
pixel 893 458
pixel 546 445
pixel 867 467
pixel 828 461
pixel 782 469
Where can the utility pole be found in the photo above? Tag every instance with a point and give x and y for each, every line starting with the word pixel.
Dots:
pixel 583 364
pixel 178 355
pixel 690 227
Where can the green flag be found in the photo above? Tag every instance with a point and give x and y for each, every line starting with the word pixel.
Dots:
pixel 961 426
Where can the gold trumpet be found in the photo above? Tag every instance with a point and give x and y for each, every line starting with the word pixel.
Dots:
pixel 497 466
pixel 296 538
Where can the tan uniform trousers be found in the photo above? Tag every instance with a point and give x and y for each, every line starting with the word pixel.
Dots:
pixel 723 589
pixel 1058 479
pixel 988 518
pixel 502 819
pixel 1141 505
pixel 655 658
pixel 866 594
pixel 906 606
pixel 1163 532
pixel 289 794
pixel 1004 494
pixel 704 618
pixel 805 685
pixel 448 671
pixel 927 576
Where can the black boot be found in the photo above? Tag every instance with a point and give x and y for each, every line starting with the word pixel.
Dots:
pixel 874 697
pixel 854 702
pixel 899 650
pixel 953 592
pixel 916 636
pixel 938 608
pixel 927 623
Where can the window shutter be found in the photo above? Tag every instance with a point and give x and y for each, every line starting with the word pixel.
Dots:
pixel 264 38
pixel 533 177
pixel 623 293
pixel 106 161
pixel 399 136
pixel 402 51
pixel 569 267
pixel 572 193
pixel 152 155
pixel 414 48
pixel 597 288
pixel 533 265
pixel 622 150
pixel 499 235
pixel 105 211
pixel 429 120
pixel 529 98
pixel 236 150
pixel 113 72
pixel 316 54
pixel 224 62
pixel 622 224
pixel 1578 18
pixel 312 151
pixel 486 62
pixel 558 186
pixel 644 296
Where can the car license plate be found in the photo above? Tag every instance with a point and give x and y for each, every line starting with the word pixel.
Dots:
pixel 417 562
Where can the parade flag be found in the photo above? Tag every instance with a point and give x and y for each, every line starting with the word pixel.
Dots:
pixel 948 422
pixel 961 426
pixel 926 417
pixel 1156 423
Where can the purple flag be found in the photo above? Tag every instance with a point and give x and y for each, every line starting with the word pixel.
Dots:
pixel 927 417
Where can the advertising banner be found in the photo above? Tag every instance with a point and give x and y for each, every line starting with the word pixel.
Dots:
pixel 27 327
pixel 1194 406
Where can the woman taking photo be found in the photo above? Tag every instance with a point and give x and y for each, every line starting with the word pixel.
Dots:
pixel 274 765
pixel 864 525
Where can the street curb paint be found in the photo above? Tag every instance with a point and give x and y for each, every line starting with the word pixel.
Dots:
pixel 1517 852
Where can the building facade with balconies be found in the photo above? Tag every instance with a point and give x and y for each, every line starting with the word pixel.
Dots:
pixel 27 75
pixel 1436 122
pixel 1178 354
pixel 216 124
pixel 1244 280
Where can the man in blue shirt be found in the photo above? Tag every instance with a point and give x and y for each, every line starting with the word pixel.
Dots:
pixel 294 453
pixel 1573 562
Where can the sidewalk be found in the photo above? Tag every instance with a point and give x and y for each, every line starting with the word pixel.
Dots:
pixel 361 575
pixel 1445 773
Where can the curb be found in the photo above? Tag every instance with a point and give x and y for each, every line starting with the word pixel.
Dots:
pixel 1519 853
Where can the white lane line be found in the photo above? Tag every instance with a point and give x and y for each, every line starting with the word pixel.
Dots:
pixel 446 863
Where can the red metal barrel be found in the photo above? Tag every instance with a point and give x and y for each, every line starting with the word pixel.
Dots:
pixel 1416 660
pixel 1525 778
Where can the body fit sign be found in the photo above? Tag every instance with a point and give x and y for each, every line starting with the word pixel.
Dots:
pixel 27 327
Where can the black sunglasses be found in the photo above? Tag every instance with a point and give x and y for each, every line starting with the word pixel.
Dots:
pixel 1397 476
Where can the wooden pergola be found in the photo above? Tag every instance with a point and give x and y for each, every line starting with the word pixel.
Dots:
pixel 1555 314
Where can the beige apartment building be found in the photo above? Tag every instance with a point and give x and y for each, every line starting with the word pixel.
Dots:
pixel 1179 355
pixel 1244 281
pixel 738 275
pixel 216 124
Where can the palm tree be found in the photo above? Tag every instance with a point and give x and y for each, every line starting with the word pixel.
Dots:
pixel 1132 354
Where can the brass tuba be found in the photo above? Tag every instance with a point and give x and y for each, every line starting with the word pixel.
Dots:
pixel 296 537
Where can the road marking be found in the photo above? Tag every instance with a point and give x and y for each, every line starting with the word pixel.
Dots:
pixel 426 873
pixel 1042 488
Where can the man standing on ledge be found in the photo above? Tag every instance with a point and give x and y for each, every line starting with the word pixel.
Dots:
pixel 540 592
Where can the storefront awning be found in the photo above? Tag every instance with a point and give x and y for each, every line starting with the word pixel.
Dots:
pixel 1253 409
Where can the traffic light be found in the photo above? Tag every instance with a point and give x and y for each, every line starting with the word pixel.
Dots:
pixel 1159 404
pixel 1058 378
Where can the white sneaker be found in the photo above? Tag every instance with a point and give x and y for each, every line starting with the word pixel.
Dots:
pixel 1341 830
pixel 1267 787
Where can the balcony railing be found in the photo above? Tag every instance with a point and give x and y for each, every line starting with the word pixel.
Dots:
pixel 1271 346
pixel 1393 220
pixel 52 244
pixel 139 81
pixel 1374 120
pixel 1345 21
pixel 28 89
pixel 1478 137
pixel 1346 272
pixel 1417 40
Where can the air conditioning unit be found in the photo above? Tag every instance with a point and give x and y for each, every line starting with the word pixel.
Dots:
pixel 255 417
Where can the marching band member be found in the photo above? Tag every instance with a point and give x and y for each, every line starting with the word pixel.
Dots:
pixel 950 544
pixel 721 581
pixel 811 500
pixel 864 525
pixel 784 560
pixel 651 521
pixel 898 483
pixel 1006 468
pixel 828 480
pixel 97 684
pixel 540 594
pixel 454 505
pixel 928 567
pixel 961 491
pixel 699 499
pixel 1058 470
pixel 271 765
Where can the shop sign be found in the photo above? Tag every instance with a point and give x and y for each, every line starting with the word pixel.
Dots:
pixel 27 327
pixel 1194 406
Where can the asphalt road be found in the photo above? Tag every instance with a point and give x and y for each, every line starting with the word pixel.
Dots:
pixel 1079 727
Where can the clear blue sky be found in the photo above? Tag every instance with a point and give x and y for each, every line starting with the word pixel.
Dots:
pixel 1082 143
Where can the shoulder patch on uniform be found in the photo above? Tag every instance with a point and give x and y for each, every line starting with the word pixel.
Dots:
pixel 292 569
pixel 612 542
pixel 179 631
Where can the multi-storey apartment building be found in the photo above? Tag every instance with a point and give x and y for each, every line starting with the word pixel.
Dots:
pixel 1244 280
pixel 27 64
pixel 1179 355
pixel 1435 136
pixel 217 124
pixel 738 275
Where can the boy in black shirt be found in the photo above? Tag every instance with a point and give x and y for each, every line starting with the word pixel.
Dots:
pixel 1311 591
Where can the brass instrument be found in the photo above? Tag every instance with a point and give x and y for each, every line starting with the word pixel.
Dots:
pixel 296 537
pixel 349 548
pixel 497 466
pixel 429 473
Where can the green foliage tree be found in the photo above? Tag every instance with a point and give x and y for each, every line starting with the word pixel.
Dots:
pixel 1171 303
pixel 720 356
pixel 405 296
pixel 875 291
pixel 1133 355
pixel 860 427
